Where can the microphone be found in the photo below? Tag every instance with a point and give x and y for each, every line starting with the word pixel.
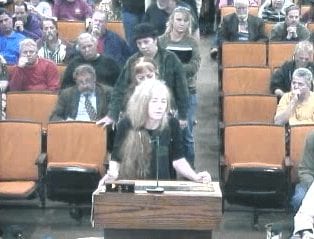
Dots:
pixel 156 189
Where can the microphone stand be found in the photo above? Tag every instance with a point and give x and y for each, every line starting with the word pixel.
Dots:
pixel 156 189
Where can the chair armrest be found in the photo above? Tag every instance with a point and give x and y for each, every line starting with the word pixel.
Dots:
pixel 288 163
pixel 222 168
pixel 42 159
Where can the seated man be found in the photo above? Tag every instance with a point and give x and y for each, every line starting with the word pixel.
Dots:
pixel 86 101
pixel 107 70
pixel 109 42
pixel 50 46
pixel 239 26
pixel 27 23
pixel 32 72
pixel 291 29
pixel 274 10
pixel 297 106
pixel 9 39
pixel 305 172
pixel 281 78
pixel 304 219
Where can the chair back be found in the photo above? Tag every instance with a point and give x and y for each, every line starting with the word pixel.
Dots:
pixel 243 54
pixel 279 52
pixel 298 135
pixel 254 145
pixel 249 108
pixel 116 27
pixel 75 143
pixel 246 80
pixel 31 105
pixel 70 30
pixel 20 147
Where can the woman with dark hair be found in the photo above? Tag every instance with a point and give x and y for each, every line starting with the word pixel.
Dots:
pixel 148 139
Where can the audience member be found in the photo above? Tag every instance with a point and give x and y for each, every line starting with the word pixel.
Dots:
pixel 9 39
pixel 170 71
pixel 297 106
pixel 305 172
pixel 239 26
pixel 144 68
pixel 109 42
pixel 308 16
pixel 27 23
pixel 32 72
pixel 147 128
pixel 281 78
pixel 72 10
pixel 274 10
pixel 107 70
pixel 291 29
pixel 4 3
pixel 132 14
pixel 40 7
pixel 157 14
pixel 86 101
pixel 178 38
pixel 50 46
pixel 304 219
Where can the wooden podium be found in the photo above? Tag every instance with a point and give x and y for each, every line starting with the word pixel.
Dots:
pixel 184 210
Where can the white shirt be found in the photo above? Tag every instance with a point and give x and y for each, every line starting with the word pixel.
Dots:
pixel 82 114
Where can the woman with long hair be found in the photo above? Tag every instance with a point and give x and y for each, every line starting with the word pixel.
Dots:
pixel 178 38
pixel 148 139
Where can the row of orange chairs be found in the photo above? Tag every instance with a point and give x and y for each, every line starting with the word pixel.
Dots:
pixel 68 169
pixel 261 54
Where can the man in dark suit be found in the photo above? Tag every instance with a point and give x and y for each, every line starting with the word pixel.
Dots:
pixel 239 26
pixel 86 101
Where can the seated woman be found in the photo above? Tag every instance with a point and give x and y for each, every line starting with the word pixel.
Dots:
pixel 297 106
pixel 148 132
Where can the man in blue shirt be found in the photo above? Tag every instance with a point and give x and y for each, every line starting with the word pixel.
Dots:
pixel 9 39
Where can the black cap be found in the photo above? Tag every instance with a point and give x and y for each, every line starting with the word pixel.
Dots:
pixel 144 30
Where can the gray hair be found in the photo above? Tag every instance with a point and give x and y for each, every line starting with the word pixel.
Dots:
pixel 85 68
pixel 305 74
pixel 304 46
pixel 86 35
pixel 27 42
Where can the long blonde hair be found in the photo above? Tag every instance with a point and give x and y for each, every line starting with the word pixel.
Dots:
pixel 136 150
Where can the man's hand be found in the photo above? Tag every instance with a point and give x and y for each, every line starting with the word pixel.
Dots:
pixel 19 26
pixel 23 61
pixel 292 32
pixel 183 124
pixel 105 121
pixel 203 177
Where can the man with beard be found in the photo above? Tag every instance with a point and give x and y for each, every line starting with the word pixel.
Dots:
pixel 86 101
pixel 291 29
pixel 50 46
pixel 9 39
pixel 281 78
pixel 109 43
pixel 107 70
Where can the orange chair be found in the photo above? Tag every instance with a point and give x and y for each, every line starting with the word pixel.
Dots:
pixel 243 108
pixel 243 54
pixel 268 26
pixel 310 26
pixel 76 155
pixel 30 105
pixel 279 52
pixel 226 10
pixel 61 69
pixel 22 165
pixel 254 169
pixel 246 80
pixel 298 134
pixel 70 30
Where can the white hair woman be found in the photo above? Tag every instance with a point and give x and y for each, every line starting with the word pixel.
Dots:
pixel 178 38
pixel 148 132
